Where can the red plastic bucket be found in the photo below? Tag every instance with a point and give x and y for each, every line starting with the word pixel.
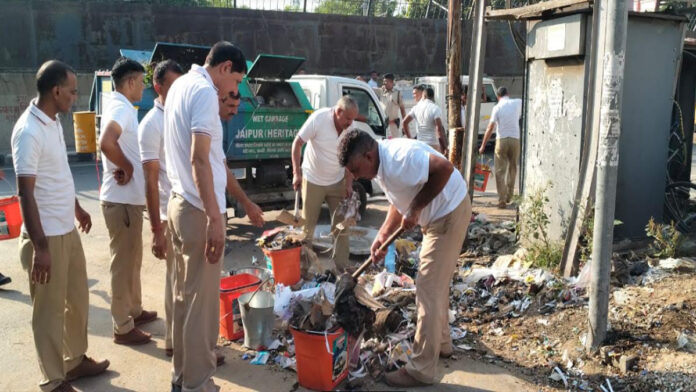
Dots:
pixel 322 358
pixel 481 174
pixel 285 264
pixel 231 287
pixel 10 216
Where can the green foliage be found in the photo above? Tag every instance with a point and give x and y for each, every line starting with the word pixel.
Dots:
pixel 586 236
pixel 357 7
pixel 666 238
pixel 340 7
pixel 149 71
pixel 533 225
pixel 292 8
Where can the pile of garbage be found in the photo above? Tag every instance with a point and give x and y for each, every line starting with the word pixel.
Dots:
pixel 488 238
pixel 283 237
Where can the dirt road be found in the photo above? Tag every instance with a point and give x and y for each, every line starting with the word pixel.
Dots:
pixel 146 368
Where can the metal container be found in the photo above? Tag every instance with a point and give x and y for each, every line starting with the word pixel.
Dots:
pixel 257 318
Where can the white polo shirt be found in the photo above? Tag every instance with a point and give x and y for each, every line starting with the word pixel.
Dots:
pixel 403 170
pixel 192 107
pixel 38 150
pixel 151 142
pixel 120 110
pixel 506 115
pixel 320 165
pixel 425 113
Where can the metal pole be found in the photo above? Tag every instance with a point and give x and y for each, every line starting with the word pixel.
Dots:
pixel 473 99
pixel 305 6
pixel 614 19
pixel 454 83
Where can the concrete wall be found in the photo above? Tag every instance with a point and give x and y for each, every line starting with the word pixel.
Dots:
pixel 17 89
pixel 88 35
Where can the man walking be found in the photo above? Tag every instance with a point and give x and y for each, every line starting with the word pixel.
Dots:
pixel 196 210
pixel 423 189
pixel 122 198
pixel 428 117
pixel 321 178
pixel 157 186
pixel 50 248
pixel 505 119
pixel 393 105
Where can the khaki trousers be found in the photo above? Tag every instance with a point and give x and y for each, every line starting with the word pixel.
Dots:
pixel 168 290
pixel 313 196
pixel 442 244
pixel 507 155
pixel 196 298
pixel 125 225
pixel 393 131
pixel 59 308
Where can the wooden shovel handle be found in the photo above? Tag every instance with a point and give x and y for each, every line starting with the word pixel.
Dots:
pixel 382 247
pixel 297 204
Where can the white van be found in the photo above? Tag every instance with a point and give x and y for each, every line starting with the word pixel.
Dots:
pixel 324 91
pixel 439 84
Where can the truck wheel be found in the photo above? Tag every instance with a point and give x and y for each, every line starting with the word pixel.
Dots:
pixel 360 189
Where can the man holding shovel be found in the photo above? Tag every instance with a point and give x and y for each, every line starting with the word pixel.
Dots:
pixel 320 177
pixel 423 189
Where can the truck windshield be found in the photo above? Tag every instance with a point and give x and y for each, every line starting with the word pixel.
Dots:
pixel 367 108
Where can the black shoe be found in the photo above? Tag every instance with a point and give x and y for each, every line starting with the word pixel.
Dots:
pixel 176 388
pixel 4 280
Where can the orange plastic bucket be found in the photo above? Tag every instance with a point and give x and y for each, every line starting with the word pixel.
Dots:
pixel 285 264
pixel 481 174
pixel 10 216
pixel 231 287
pixel 322 358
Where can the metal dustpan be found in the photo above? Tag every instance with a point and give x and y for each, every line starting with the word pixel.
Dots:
pixel 292 219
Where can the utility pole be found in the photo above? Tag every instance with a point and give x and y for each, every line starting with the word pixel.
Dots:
pixel 454 81
pixel 473 99
pixel 613 19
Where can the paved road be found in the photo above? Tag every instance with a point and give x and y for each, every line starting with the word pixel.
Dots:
pixel 146 368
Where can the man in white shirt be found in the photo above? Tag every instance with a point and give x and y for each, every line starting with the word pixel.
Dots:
pixel 196 211
pixel 393 106
pixel 428 116
pixel 122 198
pixel 505 120
pixel 422 188
pixel 321 178
pixel 374 79
pixel 49 247
pixel 157 186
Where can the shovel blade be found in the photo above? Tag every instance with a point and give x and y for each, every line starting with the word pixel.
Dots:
pixel 289 219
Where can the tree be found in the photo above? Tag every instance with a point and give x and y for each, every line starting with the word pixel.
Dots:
pixel 340 7
pixel 357 7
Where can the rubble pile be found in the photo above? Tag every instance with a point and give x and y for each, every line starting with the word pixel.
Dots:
pixel 508 313
pixel 489 238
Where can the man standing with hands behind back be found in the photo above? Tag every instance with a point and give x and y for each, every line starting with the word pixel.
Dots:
pixel 122 198
pixel 197 170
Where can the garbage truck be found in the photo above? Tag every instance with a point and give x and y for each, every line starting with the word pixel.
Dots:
pixel 274 106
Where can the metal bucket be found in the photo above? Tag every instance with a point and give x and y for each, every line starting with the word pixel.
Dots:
pixel 257 318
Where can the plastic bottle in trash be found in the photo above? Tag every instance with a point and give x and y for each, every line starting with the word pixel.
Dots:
pixel 390 259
